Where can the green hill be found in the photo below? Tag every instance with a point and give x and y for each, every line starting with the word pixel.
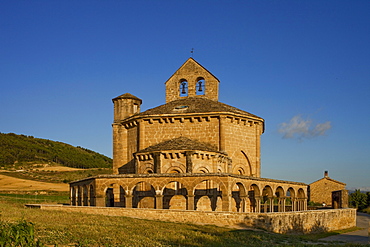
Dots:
pixel 18 149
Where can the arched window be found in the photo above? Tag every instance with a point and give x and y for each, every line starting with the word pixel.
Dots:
pixel 200 87
pixel 183 88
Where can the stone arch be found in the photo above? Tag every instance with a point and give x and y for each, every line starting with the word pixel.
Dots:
pixel 290 199
pixel 301 194
pixel 109 197
pixel 239 196
pixel 239 170
pixel 149 171
pixel 301 200
pixel 173 165
pixel 200 87
pixel 201 169
pixel 143 195
pixel 206 193
pixel 183 88
pixel 174 195
pixel 246 167
pixel 290 192
pixel 280 199
pixel 92 195
pixel 114 195
pixel 254 195
pixel 145 168
pixel 267 199
pixel 175 169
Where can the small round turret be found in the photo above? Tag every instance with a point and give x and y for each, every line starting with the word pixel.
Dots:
pixel 125 106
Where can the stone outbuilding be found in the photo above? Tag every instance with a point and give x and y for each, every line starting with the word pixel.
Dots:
pixel 191 153
pixel 326 190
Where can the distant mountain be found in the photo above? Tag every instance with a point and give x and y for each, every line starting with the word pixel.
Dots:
pixel 17 149
pixel 362 189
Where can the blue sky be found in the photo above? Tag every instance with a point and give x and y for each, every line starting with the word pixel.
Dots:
pixel 303 66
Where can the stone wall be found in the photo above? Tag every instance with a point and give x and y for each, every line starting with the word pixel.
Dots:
pixel 288 222
pixel 200 128
pixel 242 143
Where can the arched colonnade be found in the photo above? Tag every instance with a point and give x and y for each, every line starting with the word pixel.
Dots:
pixel 206 193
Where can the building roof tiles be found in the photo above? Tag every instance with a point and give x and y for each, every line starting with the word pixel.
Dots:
pixel 194 105
pixel 180 143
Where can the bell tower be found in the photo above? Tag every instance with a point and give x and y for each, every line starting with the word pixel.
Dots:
pixel 192 80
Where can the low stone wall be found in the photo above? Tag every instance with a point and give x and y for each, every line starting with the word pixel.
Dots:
pixel 288 222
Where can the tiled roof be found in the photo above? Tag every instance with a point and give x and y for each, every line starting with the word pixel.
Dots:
pixel 194 105
pixel 180 143
pixel 330 179
pixel 126 96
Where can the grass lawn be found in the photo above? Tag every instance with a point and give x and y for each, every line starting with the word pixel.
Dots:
pixel 55 228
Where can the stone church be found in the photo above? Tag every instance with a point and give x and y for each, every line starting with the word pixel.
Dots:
pixel 191 153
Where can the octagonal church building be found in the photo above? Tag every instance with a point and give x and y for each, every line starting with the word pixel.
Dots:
pixel 191 153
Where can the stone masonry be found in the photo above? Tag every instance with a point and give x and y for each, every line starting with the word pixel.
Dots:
pixel 191 153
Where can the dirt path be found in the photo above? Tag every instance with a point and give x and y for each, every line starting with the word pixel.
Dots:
pixel 17 184
pixel 360 236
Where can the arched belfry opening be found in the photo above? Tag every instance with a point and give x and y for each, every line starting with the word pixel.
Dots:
pixel 183 90
pixel 192 80
pixel 201 86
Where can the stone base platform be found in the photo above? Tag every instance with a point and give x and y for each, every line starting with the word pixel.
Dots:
pixel 311 221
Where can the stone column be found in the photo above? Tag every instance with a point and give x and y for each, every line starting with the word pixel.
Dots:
pixel 271 199
pixel 157 162
pixel 189 161
pixel 128 199
pixel 72 198
pixel 100 200
pixel 159 201
pixel 283 204
pixel 226 201
pixel 294 204
pixel 244 204
pixel 279 204
pixel 117 196
pixel 222 122
pixel 258 204
pixel 190 202
pixel 141 134
pixel 88 199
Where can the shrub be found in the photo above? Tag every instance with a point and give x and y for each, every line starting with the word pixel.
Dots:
pixel 18 234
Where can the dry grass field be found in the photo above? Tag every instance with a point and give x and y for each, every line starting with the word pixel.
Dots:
pixel 8 183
